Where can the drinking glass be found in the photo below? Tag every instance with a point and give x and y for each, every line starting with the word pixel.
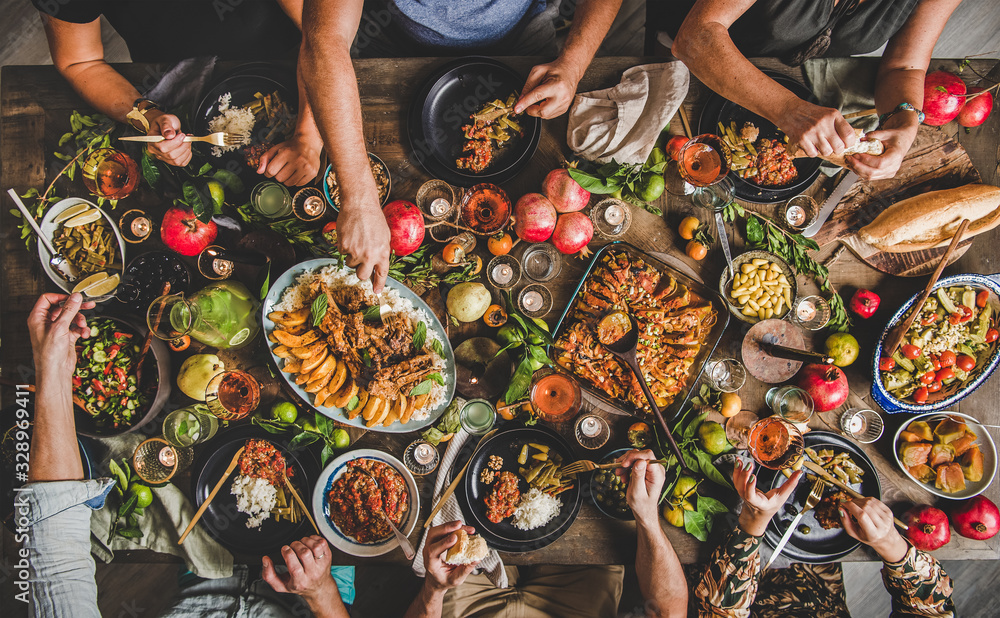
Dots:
pixel 477 416
pixel 271 199
pixel 189 426
pixel 727 375
pixel 156 461
pixel 554 394
pixel 232 395
pixel 863 425
pixel 486 209
pixel 110 173
pixel 535 300
pixel 791 403
pixel 773 442
pixel 704 160
pixel 716 196
pixel 799 212
pixel 810 312
pixel 541 262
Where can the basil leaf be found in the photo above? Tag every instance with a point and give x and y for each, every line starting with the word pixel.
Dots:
pixel 366 358
pixel 352 403
pixel 436 377
pixel 373 313
pixel 755 231
pixel 421 389
pixel 318 309
pixel 438 347
pixel 419 336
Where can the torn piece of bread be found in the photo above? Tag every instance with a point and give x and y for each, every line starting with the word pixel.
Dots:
pixel 862 146
pixel 931 219
pixel 467 550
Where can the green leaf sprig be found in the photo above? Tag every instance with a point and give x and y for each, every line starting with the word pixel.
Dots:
pixel 318 309
pixel 125 522
pixel 307 429
pixel 620 179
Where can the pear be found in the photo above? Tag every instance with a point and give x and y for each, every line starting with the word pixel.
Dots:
pixel 196 372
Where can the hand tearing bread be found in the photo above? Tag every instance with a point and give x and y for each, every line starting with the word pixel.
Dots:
pixel 931 219
pixel 862 146
pixel 467 550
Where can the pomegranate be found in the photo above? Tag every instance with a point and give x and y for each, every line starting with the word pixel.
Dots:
pixel 182 232
pixel 565 193
pixel 864 303
pixel 573 231
pixel 976 109
pixel 534 218
pixel 928 527
pixel 406 226
pixel 976 518
pixel 943 97
pixel 826 384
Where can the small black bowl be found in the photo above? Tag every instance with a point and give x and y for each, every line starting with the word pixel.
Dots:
pixel 593 489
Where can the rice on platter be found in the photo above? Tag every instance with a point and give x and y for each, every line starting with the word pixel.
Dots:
pixel 388 355
pixel 236 120
pixel 256 497
pixel 536 509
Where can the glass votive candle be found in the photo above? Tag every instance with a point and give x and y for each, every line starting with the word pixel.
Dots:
pixel 727 374
pixel 135 226
pixel 591 431
pixel 810 312
pixel 535 300
pixel 212 265
pixel 477 416
pixel 799 212
pixel 541 262
pixel 308 204
pixel 862 424
pixel 421 458
pixel 611 218
pixel 436 199
pixel 503 272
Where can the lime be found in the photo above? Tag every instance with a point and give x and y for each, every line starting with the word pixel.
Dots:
pixel 84 218
pixel 510 334
pixel 656 156
pixel 71 212
pixel 284 411
pixel 341 439
pixel 143 495
pixel 89 281
pixel 310 425
pixel 218 193
pixel 713 438
pixel 240 337
pixel 230 180
pixel 102 287
pixel 653 188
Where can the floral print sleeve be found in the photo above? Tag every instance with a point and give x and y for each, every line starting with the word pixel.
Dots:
pixel 730 582
pixel 919 587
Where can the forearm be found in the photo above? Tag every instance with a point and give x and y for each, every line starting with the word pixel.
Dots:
pixel 55 455
pixel 328 604
pixel 918 586
pixel 102 87
pixel 305 123
pixel 660 575
pixel 591 22
pixel 427 604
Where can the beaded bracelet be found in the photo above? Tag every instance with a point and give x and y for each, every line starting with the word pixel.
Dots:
pixel 902 107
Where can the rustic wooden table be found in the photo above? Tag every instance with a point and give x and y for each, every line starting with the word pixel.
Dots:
pixel 34 106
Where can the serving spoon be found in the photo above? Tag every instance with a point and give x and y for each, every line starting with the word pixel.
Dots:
pixel 57 261
pixel 404 543
pixel 623 347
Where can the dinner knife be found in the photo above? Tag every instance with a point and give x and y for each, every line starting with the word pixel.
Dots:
pixel 770 345
pixel 784 539
pixel 831 203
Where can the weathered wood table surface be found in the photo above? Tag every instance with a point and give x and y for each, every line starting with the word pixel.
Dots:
pixel 34 106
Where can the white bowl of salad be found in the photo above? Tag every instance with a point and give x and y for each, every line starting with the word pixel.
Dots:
pixel 950 350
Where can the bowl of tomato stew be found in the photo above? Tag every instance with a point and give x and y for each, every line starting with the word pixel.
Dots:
pixel 348 506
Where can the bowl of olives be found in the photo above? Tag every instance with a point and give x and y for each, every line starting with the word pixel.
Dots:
pixel 607 489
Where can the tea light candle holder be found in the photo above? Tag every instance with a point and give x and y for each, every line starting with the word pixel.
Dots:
pixel 503 272
pixel 611 218
pixel 212 266
pixel 863 425
pixel 156 461
pixel 591 431
pixel 799 212
pixel 534 300
pixel 810 312
pixel 421 458
pixel 436 199
pixel 308 204
pixel 135 226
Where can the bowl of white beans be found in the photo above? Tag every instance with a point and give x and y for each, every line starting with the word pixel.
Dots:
pixel 763 287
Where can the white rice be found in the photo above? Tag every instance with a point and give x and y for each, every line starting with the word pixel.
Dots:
pixel 293 298
pixel 237 120
pixel 536 509
pixel 255 497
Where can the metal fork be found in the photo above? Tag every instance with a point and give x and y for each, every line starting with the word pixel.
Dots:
pixel 404 543
pixel 815 495
pixel 220 138
pixel 584 465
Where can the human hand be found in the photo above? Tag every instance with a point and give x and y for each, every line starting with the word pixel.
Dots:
pixel 363 237
pixel 293 162
pixel 549 91
pixel 173 150
pixel 758 507
pixel 816 130
pixel 54 325
pixel 308 576
pixel 442 576
pixel 870 522
pixel 896 138
pixel 645 486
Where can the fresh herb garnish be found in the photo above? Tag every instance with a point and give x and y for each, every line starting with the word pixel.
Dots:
pixel 352 403
pixel 366 358
pixel 318 309
pixel 372 313
pixel 436 377
pixel 422 389
pixel 438 347
pixel 419 336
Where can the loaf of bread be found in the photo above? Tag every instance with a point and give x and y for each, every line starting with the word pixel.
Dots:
pixel 467 550
pixel 931 219
pixel 862 146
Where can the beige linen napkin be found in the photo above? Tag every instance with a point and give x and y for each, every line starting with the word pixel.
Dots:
pixel 491 565
pixel 161 524
pixel 623 122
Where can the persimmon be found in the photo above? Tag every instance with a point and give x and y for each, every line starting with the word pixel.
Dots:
pixel 688 226
pixel 696 251
pixel 500 244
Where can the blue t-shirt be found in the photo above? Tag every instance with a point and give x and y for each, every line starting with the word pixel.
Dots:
pixel 461 24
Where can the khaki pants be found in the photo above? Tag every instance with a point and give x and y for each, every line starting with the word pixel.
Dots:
pixel 540 592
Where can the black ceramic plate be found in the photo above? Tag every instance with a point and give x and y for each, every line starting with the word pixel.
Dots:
pixel 592 491
pixel 221 519
pixel 471 492
pixel 243 84
pixel 820 545
pixel 444 103
pixel 718 109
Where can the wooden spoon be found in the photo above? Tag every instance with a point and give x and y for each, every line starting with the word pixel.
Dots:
pixel 211 496
pixel 298 499
pixel 895 336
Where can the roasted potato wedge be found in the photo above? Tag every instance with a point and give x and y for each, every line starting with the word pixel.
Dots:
pixel 272 338
pixel 326 368
pixel 395 411
pixel 411 406
pixel 346 392
pixel 289 318
pixel 318 384
pixel 339 377
pixel 308 351
pixel 362 402
pixel 282 351
pixel 292 365
pixel 421 402
pixel 321 396
pixel 297 341
pixel 373 407
pixel 380 414
pixel 311 363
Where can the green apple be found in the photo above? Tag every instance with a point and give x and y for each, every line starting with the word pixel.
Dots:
pixel 843 347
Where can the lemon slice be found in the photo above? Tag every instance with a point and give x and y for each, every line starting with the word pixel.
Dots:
pixel 105 286
pixel 89 281
pixel 240 337
pixel 71 212
pixel 82 219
